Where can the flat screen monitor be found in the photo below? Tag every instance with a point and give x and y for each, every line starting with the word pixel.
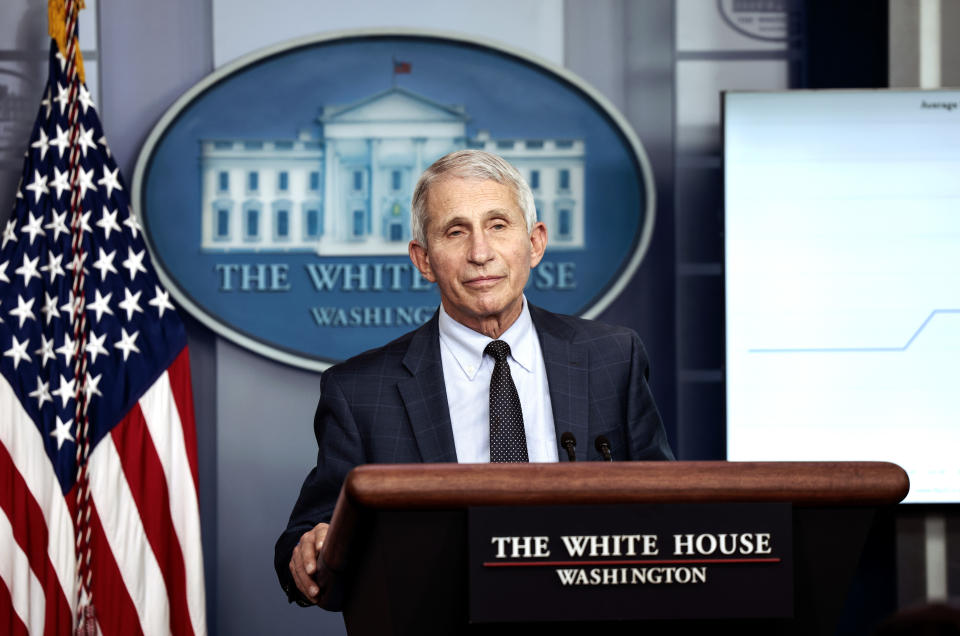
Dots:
pixel 842 273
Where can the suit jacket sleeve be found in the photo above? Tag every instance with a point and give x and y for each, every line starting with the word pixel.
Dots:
pixel 647 439
pixel 340 449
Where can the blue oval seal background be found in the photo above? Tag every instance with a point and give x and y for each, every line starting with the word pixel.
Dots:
pixel 283 313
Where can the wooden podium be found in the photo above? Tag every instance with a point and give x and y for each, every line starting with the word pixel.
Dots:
pixel 395 559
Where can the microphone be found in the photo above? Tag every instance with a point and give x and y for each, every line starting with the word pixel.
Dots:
pixel 569 442
pixel 603 447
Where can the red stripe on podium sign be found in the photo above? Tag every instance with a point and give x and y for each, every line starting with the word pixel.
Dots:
pixel 515 564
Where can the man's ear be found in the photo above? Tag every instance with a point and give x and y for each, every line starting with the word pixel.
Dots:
pixel 421 260
pixel 538 243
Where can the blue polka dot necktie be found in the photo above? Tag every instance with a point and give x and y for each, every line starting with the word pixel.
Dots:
pixel 508 442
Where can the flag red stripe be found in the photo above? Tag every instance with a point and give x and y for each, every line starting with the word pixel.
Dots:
pixel 114 608
pixel 145 478
pixel 14 626
pixel 31 534
pixel 179 372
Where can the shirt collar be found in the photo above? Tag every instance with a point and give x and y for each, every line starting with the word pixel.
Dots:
pixel 466 345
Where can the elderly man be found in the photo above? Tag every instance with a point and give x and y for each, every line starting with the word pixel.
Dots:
pixel 488 378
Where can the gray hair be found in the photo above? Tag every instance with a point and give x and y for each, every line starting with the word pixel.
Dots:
pixel 469 164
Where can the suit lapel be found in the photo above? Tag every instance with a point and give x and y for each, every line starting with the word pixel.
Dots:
pixel 566 365
pixel 425 397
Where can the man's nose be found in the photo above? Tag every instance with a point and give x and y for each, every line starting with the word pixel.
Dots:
pixel 480 251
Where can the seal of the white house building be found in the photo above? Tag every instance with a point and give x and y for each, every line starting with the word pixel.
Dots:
pixel 275 194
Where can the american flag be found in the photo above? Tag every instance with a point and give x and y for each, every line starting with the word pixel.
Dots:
pixel 146 571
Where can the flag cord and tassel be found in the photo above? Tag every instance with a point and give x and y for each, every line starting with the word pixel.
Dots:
pixel 63 28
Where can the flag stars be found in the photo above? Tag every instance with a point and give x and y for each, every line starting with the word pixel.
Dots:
pixel 43 143
pixel 103 142
pixel 62 432
pixel 161 300
pixel 42 393
pixel 50 310
pixel 54 267
pixel 18 351
pixel 45 351
pixel 69 306
pixel 85 220
pixel 127 343
pixel 34 227
pixel 28 269
pixel 132 223
pixel 86 181
pixel 85 140
pixel 58 225
pixel 3 271
pixel 68 349
pixel 62 98
pixel 101 305
pixel 134 262
pixel 86 101
pixel 60 181
pixel 105 263
pixel 45 103
pixel 66 391
pixel 24 310
pixel 92 386
pixel 110 180
pixel 130 303
pixel 9 233
pixel 38 186
pixel 108 222
pixel 95 347
pixel 61 142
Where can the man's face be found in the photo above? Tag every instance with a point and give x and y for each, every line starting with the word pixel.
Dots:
pixel 478 252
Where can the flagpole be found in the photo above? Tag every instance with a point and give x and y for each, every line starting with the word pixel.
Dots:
pixel 70 41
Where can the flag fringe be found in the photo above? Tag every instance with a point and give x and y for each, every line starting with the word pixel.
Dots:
pixel 57 18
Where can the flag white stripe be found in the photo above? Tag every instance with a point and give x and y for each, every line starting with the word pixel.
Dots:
pixel 26 593
pixel 127 538
pixel 23 441
pixel 163 421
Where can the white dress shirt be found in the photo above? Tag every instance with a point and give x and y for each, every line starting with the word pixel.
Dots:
pixel 466 373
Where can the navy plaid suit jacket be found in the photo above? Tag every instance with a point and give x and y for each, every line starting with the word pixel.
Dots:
pixel 389 405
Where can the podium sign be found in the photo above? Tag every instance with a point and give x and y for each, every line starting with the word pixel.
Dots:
pixel 503 549
pixel 639 561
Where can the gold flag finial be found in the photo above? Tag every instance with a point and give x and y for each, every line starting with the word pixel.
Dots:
pixel 57 18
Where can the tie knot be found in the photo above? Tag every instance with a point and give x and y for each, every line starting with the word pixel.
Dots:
pixel 498 349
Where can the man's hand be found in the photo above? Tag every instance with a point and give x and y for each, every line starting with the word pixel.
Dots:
pixel 303 564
